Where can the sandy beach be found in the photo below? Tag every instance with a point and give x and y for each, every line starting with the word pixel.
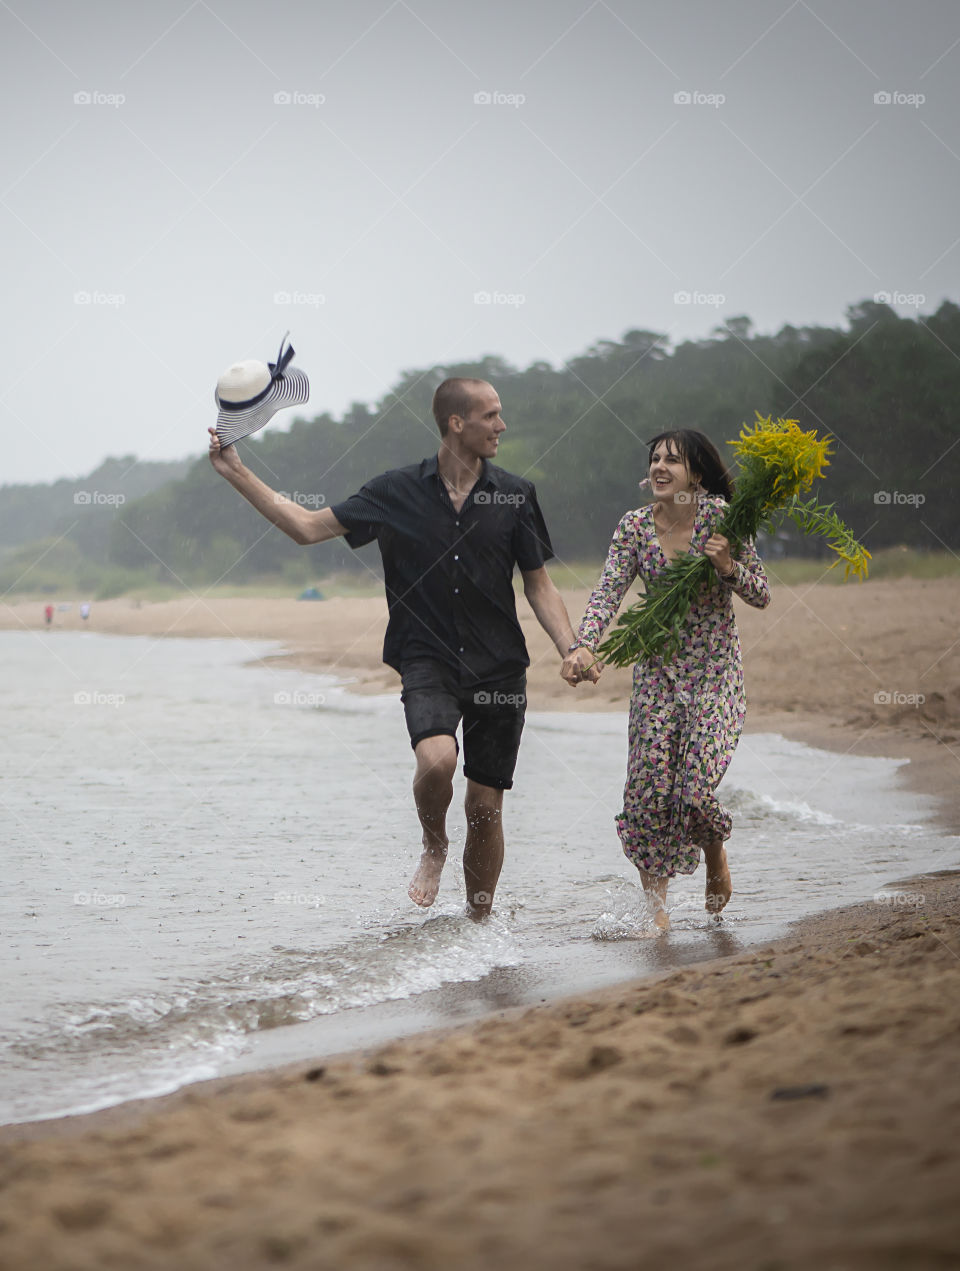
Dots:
pixel 789 1107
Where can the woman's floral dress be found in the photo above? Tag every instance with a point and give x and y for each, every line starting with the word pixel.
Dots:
pixel 685 714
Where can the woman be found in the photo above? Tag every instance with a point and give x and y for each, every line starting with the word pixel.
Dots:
pixel 685 714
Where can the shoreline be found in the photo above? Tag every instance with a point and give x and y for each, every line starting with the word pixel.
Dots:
pixel 799 1094
pixel 814 662
pixel 796 1096
pixel 808 928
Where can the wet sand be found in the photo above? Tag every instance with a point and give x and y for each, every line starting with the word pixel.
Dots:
pixel 795 1106
pixel 788 1107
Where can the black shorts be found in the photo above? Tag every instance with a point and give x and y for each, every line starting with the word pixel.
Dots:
pixel 434 703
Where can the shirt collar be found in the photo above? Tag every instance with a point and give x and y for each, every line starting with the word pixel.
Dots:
pixel 489 474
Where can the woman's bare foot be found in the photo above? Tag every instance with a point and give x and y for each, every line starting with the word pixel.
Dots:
pixel 719 885
pixel 426 881
pixel 655 889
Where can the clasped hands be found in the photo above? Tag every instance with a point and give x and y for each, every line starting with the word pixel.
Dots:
pixel 581 665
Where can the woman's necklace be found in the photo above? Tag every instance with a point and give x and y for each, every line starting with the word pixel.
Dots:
pixel 679 523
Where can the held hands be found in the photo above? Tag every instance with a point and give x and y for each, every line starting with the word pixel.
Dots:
pixel 579 665
pixel 717 551
pixel 225 460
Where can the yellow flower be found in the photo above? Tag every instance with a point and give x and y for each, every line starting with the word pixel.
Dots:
pixel 795 458
pixel 855 558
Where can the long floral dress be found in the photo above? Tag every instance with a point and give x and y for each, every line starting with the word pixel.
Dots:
pixel 685 714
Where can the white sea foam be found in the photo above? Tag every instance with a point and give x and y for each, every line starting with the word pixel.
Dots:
pixel 262 846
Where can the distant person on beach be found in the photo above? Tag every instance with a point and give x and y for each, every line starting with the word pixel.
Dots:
pixel 450 530
pixel 85 611
pixel 48 615
pixel 686 714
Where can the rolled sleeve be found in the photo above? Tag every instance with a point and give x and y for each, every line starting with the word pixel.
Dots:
pixel 363 514
pixel 531 542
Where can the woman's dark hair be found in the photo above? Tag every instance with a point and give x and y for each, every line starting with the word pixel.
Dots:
pixel 701 457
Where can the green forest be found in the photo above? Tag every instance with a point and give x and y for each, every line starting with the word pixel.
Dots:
pixel 885 387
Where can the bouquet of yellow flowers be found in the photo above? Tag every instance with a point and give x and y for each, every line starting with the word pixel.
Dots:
pixel 778 463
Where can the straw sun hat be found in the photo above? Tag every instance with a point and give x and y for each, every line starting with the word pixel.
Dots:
pixel 250 393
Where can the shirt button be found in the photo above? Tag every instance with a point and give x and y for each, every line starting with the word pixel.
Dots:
pixel 456 558
pixel 461 648
pixel 458 524
pixel 456 591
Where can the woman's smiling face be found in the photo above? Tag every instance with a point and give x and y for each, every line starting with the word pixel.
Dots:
pixel 669 472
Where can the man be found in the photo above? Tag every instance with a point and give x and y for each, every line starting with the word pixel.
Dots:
pixel 450 530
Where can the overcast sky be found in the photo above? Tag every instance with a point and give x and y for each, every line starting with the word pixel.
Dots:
pixel 183 181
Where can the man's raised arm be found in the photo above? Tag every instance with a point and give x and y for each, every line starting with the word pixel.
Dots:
pixel 303 525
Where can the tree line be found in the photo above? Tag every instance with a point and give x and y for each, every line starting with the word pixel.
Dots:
pixel 885 387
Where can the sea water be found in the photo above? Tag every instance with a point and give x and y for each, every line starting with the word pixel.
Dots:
pixel 206 861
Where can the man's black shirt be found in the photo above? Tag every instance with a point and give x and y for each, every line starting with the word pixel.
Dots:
pixel 449 574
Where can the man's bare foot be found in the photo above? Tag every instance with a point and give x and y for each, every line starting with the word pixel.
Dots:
pixel 719 886
pixel 426 881
pixel 478 906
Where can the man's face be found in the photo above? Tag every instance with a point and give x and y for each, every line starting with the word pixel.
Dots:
pixel 480 430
